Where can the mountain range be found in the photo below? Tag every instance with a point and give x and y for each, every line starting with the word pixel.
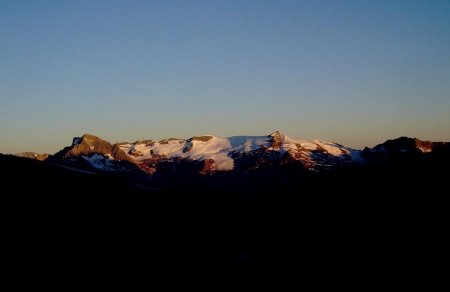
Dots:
pixel 209 163
pixel 243 205
pixel 208 154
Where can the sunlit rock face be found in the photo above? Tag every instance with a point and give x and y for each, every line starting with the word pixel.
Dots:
pixel 207 154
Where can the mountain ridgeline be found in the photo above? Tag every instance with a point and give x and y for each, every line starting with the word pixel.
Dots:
pixel 253 164
pixel 207 153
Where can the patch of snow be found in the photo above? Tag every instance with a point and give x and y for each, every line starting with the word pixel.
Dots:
pixel 216 148
pixel 224 163
pixel 172 149
pixel 291 143
pixel 424 150
pixel 99 162
pixel 219 149
pixel 332 148
pixel 247 143
pixel 141 148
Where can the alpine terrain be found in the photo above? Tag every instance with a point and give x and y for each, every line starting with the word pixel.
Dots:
pixel 241 206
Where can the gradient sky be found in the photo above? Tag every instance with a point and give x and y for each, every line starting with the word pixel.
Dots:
pixel 355 72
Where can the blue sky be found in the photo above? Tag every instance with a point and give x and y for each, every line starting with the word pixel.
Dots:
pixel 354 72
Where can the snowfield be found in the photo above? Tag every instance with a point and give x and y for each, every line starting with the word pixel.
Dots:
pixel 221 149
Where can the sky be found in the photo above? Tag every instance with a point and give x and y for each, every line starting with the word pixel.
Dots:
pixel 353 72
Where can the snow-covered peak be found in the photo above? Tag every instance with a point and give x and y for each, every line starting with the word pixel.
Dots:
pixel 195 148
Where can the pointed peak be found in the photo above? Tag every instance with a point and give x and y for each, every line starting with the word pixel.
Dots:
pixel 277 139
pixel 276 134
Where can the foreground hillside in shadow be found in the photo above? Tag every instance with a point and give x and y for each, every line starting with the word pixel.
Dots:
pixel 363 222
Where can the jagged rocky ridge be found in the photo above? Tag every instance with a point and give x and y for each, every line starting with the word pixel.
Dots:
pixel 406 151
pixel 208 154
pixel 205 154
pixel 33 155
